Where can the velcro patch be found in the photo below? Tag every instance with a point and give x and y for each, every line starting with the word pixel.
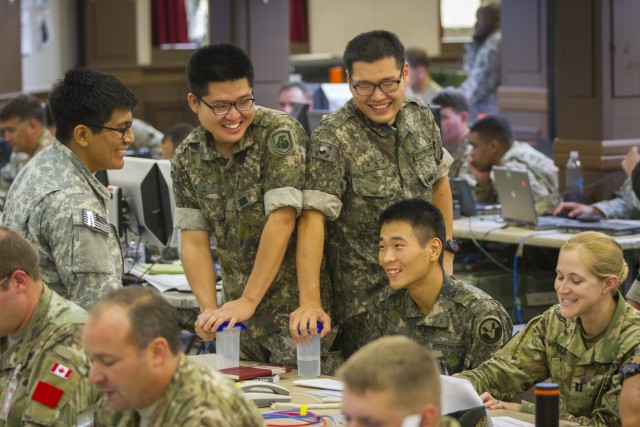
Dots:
pixel 281 143
pixel 324 151
pixel 95 221
pixel 47 394
pixel 59 370
pixel 490 330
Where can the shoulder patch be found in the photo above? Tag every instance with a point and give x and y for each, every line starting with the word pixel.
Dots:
pixel 490 330
pixel 324 151
pixel 280 143
pixel 47 394
pixel 95 221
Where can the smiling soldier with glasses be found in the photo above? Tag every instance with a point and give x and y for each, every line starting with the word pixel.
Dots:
pixel 380 147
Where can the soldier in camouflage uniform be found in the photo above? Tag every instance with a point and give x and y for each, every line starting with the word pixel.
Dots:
pixel 392 380
pixel 380 147
pixel 580 343
pixel 454 128
pixel 482 63
pixel 57 203
pixel 459 323
pixel 43 369
pixel 239 175
pixel 24 122
pixel 153 383
pixel 492 144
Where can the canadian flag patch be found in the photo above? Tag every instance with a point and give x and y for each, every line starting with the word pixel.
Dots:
pixel 59 370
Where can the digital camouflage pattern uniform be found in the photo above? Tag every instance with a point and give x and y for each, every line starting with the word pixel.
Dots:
pixel 464 328
pixel 233 198
pixel 356 169
pixel 543 177
pixel 459 166
pixel 552 347
pixel 58 206
pixel 482 65
pixel 627 206
pixel 44 395
pixel 16 162
pixel 197 396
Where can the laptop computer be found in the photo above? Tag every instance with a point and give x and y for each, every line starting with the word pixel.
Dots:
pixel 468 206
pixel 518 208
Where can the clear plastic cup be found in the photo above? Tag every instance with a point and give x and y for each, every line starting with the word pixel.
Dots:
pixel 309 356
pixel 228 346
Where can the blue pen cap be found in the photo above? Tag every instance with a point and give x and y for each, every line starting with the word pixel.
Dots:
pixel 319 326
pixel 237 325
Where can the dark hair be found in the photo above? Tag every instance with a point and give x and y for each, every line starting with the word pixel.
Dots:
pixel 178 132
pixel 424 218
pixel 17 254
pixel 373 46
pixel 494 127
pixel 635 180
pixel 24 107
pixel 150 315
pixel 416 56
pixel 87 97
pixel 303 87
pixel 217 63
pixel 492 13
pixel 452 98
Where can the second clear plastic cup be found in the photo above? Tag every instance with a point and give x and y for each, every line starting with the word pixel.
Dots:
pixel 228 346
pixel 309 356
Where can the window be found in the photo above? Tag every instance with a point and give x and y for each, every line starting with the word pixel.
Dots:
pixel 458 18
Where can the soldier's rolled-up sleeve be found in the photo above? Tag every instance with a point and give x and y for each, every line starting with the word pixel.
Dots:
pixel 187 215
pixel 282 197
pixel 445 164
pixel 627 206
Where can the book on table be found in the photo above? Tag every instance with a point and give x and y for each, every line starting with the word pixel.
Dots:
pixel 244 373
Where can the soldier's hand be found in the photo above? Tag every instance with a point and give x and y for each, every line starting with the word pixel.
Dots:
pixel 305 319
pixel 572 209
pixel 491 402
pixel 203 334
pixel 482 177
pixel 233 312
pixel 630 160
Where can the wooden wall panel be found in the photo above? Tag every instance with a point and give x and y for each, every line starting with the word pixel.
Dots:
pixel 625 48
pixel 11 62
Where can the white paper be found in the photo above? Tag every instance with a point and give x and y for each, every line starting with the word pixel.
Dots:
pixel 323 383
pixel 457 394
pixel 162 282
pixel 509 422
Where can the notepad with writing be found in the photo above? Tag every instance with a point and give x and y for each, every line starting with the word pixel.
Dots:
pixel 244 373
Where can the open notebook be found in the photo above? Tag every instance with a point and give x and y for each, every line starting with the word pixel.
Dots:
pixel 518 208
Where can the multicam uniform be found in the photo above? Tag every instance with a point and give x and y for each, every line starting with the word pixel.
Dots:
pixel 464 328
pixel 459 166
pixel 49 366
pixel 233 198
pixel 551 346
pixel 196 396
pixel 543 177
pixel 356 169
pixel 16 162
pixel 58 206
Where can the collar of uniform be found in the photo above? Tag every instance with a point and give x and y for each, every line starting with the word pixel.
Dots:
pixel 380 129
pixel 18 353
pixel 207 149
pixel 44 141
pixel 605 350
pixel 435 318
pixel 97 186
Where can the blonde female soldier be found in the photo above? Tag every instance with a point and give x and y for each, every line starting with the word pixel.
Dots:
pixel 579 343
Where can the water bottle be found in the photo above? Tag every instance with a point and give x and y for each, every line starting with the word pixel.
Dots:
pixel 135 253
pixel 547 405
pixel 574 183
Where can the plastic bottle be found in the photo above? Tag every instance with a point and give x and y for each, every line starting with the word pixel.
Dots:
pixel 574 183
pixel 547 405
pixel 135 253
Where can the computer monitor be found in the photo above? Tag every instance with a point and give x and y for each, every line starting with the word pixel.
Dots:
pixel 146 189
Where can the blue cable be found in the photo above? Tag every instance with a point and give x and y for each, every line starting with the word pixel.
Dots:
pixel 310 418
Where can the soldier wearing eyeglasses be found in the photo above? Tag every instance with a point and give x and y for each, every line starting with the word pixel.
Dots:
pixel 57 203
pixel 377 149
pixel 239 176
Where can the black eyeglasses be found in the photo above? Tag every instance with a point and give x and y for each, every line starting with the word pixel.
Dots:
pixel 222 108
pixel 123 131
pixel 366 89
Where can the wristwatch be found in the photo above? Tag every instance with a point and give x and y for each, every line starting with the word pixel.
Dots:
pixel 452 246
pixel 628 370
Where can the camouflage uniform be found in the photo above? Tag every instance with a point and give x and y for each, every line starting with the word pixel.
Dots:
pixel 233 198
pixel 52 337
pixel 428 93
pixel 482 64
pixel 543 177
pixel 459 167
pixel 550 346
pixel 16 162
pixel 356 169
pixel 464 328
pixel 445 421
pixel 146 136
pixel 197 396
pixel 58 206
pixel 627 206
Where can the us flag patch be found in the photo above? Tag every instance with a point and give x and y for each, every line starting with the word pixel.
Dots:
pixel 94 221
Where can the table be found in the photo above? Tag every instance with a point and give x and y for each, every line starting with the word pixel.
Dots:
pixel 302 395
